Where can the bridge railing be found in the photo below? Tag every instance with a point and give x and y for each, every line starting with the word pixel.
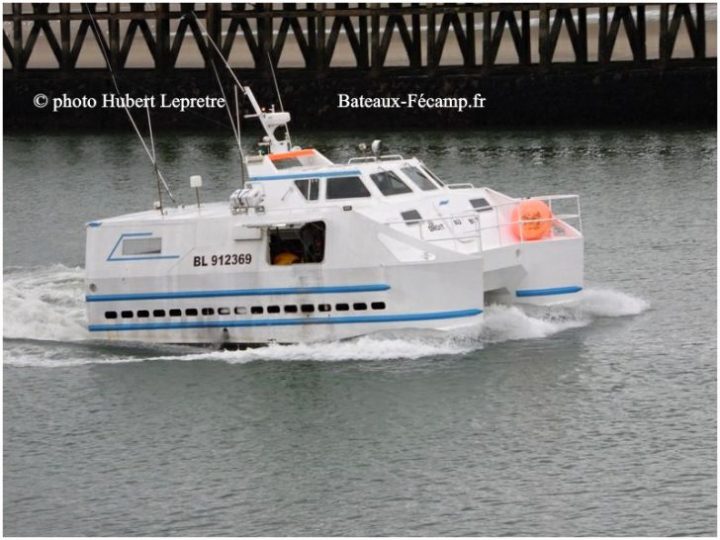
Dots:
pixel 422 31
pixel 492 226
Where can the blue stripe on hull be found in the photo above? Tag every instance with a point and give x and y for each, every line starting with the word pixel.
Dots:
pixel 236 292
pixel 287 322
pixel 548 292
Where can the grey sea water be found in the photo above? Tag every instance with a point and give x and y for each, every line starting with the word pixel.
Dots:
pixel 594 419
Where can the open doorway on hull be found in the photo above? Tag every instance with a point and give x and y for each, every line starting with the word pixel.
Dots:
pixel 297 243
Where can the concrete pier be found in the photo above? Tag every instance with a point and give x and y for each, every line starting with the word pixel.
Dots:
pixel 528 64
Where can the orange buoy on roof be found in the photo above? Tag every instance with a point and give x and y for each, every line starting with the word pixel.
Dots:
pixel 531 220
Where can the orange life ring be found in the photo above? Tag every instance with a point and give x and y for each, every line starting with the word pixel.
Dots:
pixel 531 220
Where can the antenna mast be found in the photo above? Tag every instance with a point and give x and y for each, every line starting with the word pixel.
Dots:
pixel 155 168
pixel 270 120
pixel 235 124
pixel 277 91
pixel 237 120
pixel 158 174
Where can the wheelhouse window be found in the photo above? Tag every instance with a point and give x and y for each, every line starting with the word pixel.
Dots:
pixel 421 181
pixel 389 183
pixel 297 244
pixel 141 246
pixel 310 188
pixel 431 175
pixel 346 187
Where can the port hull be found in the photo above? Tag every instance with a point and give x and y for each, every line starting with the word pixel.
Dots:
pixel 397 298
pixel 358 289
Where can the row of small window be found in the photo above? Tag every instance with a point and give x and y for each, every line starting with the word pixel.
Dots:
pixel 241 310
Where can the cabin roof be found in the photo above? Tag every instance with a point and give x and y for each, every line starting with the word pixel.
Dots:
pixel 262 170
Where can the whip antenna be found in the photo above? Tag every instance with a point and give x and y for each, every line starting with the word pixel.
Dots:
pixel 155 168
pixel 217 49
pixel 277 88
pixel 277 91
pixel 237 119
pixel 235 124
pixel 269 120
pixel 158 173
pixel 227 105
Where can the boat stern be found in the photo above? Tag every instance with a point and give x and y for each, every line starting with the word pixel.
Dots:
pixel 540 258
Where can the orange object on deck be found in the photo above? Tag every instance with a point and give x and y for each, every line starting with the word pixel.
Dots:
pixel 531 220
pixel 285 258
pixel 293 154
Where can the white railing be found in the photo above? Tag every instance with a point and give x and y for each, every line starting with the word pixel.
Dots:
pixel 467 226
pixel 370 159
pixel 564 222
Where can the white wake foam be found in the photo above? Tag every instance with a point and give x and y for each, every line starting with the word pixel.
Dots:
pixel 506 323
pixel 598 302
pixel 44 303
pixel 363 348
pixel 47 304
pixel 42 355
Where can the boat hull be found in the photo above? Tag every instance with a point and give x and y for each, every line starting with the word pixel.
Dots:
pixel 539 273
pixel 244 308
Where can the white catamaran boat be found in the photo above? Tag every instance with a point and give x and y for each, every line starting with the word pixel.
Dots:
pixel 310 250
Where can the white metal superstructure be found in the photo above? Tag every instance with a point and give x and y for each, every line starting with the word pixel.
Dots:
pixel 311 250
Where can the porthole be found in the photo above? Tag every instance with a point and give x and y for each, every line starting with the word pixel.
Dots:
pixel 240 310
pixel 143 314
pixel 191 312
pixel 273 309
pixel 224 311
pixel 324 307
pixel 257 310
pixel 307 308
pixel 360 306
pixel 378 305
pixel 208 311
pixel 176 313
pixel 159 313
pixel 127 314
pixel 291 309
pixel 342 307
pixel 111 314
